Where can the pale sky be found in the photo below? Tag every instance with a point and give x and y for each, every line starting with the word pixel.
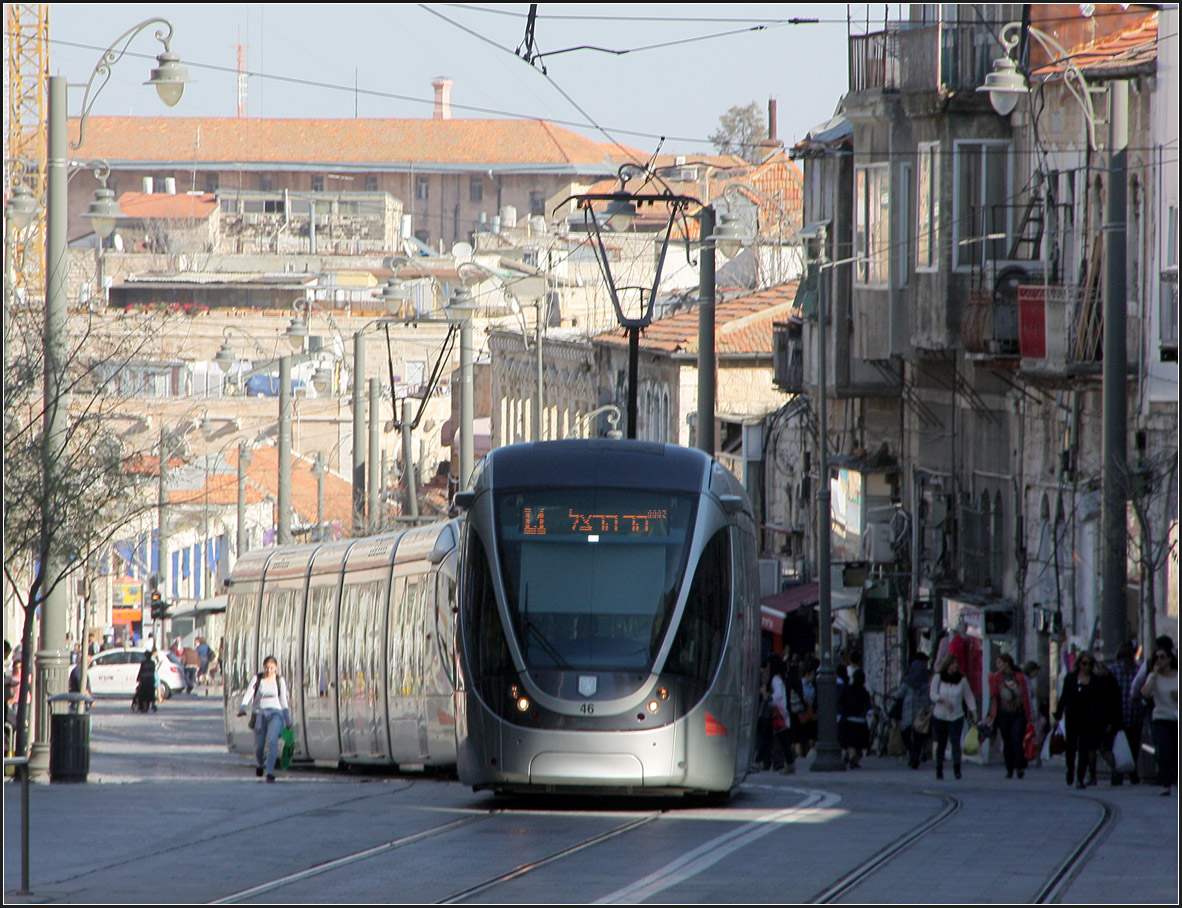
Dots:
pixel 392 52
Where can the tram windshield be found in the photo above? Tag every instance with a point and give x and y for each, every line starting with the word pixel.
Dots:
pixel 592 574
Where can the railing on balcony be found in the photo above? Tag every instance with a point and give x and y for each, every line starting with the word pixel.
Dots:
pixel 1061 328
pixel 950 56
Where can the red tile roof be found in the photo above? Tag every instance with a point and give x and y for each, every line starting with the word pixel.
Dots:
pixel 1133 47
pixel 390 143
pixel 263 472
pixel 160 205
pixel 742 325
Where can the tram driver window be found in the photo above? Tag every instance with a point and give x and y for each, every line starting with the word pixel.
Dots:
pixel 698 643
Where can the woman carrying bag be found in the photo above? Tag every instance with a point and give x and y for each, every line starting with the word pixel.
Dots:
pixel 269 715
pixel 1081 702
pixel 916 706
pixel 1162 689
pixel 952 699
pixel 1010 712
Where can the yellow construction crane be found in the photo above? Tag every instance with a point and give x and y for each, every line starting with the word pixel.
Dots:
pixel 28 74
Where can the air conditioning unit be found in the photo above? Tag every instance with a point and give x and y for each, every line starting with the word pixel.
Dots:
pixel 876 543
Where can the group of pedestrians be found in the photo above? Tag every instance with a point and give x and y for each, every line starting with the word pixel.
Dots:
pixel 1099 702
pixel 787 724
pixel 934 709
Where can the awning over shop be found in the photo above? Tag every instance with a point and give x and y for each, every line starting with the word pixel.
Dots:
pixel 774 609
pixel 199 607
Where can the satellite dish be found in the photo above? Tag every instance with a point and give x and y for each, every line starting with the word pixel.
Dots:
pixel 462 251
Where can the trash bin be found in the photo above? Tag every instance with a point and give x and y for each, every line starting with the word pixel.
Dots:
pixel 69 737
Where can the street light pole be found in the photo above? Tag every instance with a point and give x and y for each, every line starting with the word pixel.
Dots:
pixel 52 659
pixel 828 755
pixel 706 281
pixel 244 459
pixel 284 497
pixel 375 415
pixel 1114 478
pixel 358 434
pixel 408 468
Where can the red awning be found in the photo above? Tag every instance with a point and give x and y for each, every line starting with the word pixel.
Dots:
pixel 773 609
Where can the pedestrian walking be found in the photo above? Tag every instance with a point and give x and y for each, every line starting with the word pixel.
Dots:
pixel 1162 688
pixel 853 732
pixel 806 733
pixel 765 743
pixel 191 666
pixel 1082 704
pixel 266 695
pixel 146 684
pixel 916 705
pixel 1009 712
pixel 781 721
pixel 1132 706
pixel 952 699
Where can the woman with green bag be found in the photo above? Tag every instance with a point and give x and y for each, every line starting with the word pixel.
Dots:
pixel 951 699
pixel 270 715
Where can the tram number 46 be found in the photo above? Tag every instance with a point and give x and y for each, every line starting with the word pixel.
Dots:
pixel 587 708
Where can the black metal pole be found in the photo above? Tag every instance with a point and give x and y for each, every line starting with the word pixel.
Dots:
pixel 1114 524
pixel 633 371
pixel 706 281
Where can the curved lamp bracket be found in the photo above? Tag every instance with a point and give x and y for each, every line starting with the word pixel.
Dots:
pixel 110 57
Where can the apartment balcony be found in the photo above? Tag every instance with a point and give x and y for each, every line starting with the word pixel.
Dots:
pixel 1061 330
pixel 949 56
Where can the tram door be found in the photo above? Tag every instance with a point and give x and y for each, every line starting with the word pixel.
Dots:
pixel 319 690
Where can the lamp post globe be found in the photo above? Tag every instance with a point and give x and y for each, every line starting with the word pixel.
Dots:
pixel 20 208
pixel 169 77
pixel 1005 85
pixel 104 212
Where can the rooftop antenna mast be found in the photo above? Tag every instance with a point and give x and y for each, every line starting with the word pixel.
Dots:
pixel 242 74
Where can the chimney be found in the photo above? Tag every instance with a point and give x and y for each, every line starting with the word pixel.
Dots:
pixel 442 98
pixel 771 141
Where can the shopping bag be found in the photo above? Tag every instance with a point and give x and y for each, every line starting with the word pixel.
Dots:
pixel 1058 740
pixel 1121 754
pixel 972 742
pixel 896 746
pixel 1030 742
pixel 287 739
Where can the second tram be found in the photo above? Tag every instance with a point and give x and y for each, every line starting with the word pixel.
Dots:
pixel 362 631
pixel 609 621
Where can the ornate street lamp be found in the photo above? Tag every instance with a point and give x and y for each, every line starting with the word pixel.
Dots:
pixel 621 209
pixel 52 658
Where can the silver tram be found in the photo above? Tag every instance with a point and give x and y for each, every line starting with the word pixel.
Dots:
pixel 609 621
pixel 363 632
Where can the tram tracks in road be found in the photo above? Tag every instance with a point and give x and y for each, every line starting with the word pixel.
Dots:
pixel 856 876
pixel 1052 890
pixel 336 863
pixel 1056 885
pixel 523 869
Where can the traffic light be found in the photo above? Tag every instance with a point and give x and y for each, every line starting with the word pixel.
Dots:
pixel 157 605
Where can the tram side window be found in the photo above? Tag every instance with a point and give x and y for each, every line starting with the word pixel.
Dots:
pixel 698 643
pixel 240 626
pixel 482 622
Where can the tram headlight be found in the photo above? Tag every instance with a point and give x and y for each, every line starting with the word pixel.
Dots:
pixel 514 691
pixel 653 706
pixel 663 693
pixel 523 703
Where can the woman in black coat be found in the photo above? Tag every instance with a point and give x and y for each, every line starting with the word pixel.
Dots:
pixel 145 685
pixel 853 732
pixel 1084 702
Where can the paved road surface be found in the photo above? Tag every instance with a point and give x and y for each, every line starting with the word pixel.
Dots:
pixel 169 816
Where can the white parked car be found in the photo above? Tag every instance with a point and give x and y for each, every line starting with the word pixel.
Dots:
pixel 113 673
